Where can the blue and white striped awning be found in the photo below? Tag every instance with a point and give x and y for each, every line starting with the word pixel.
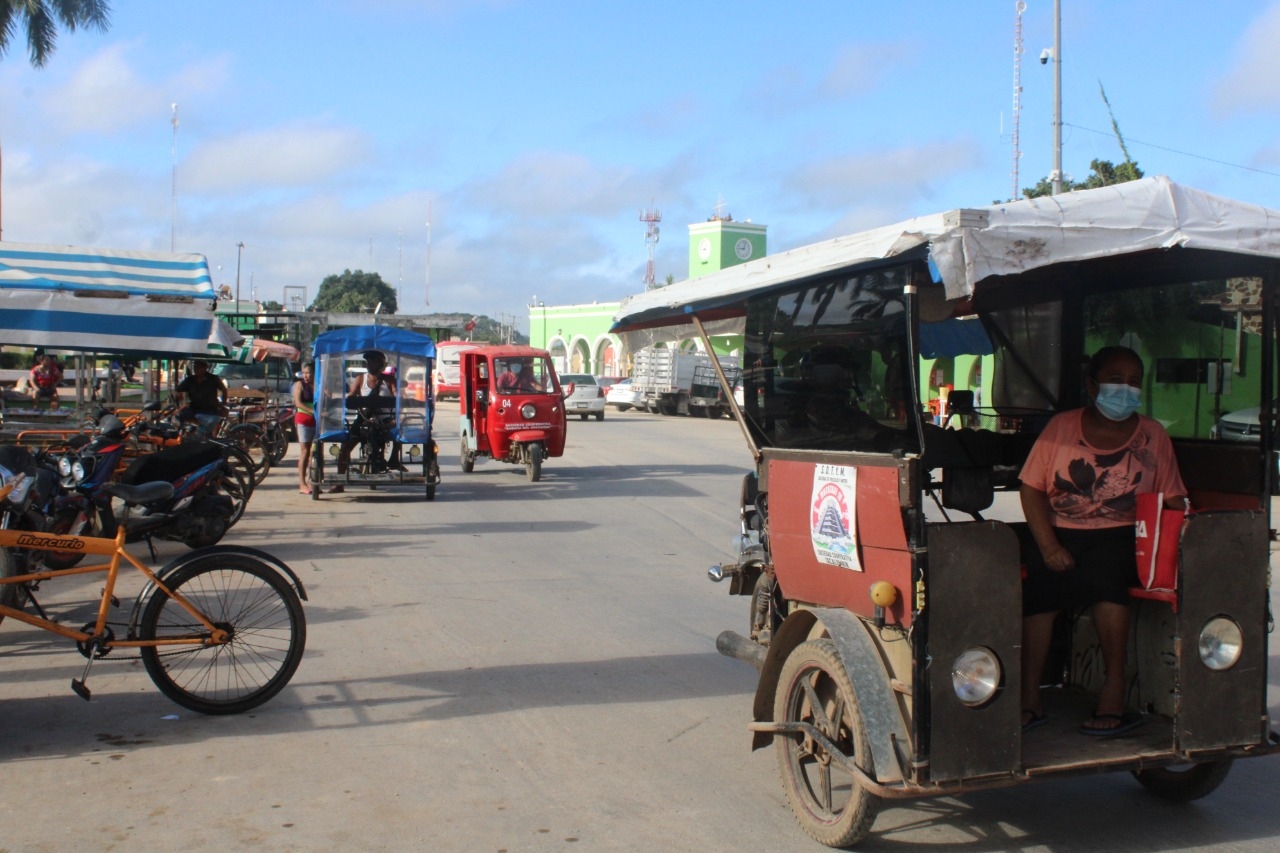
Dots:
pixel 104 300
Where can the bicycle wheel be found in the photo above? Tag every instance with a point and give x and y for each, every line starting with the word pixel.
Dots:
pixel 252 601
pixel 250 439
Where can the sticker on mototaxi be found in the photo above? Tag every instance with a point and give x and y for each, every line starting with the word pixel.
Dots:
pixel 526 425
pixel 831 516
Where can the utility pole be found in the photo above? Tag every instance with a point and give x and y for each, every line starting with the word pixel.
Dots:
pixel 239 253
pixel 1056 175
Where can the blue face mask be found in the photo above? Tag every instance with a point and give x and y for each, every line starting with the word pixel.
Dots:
pixel 1117 402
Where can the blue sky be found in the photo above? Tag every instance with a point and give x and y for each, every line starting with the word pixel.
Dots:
pixel 324 135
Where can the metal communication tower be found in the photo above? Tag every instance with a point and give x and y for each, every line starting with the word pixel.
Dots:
pixel 651 218
pixel 1020 7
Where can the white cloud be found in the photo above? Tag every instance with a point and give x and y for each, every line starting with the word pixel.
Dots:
pixel 903 173
pixel 270 159
pixel 859 68
pixel 1252 83
pixel 106 93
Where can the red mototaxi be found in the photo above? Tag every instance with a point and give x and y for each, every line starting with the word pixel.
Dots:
pixel 511 406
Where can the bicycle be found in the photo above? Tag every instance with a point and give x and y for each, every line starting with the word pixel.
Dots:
pixel 220 630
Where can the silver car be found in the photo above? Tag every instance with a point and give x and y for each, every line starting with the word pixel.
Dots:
pixel 587 398
pixel 622 396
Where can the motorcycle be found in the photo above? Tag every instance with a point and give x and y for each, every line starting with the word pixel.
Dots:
pixel 198 513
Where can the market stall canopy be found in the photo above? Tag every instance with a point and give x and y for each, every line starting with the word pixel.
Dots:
pixel 964 247
pixel 105 300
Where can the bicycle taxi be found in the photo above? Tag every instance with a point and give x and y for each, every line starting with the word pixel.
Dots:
pixel 512 407
pixel 883 609
pixel 387 434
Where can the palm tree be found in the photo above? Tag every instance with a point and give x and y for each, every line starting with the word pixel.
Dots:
pixel 41 19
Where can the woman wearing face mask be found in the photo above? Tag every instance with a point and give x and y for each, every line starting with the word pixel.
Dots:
pixel 1078 494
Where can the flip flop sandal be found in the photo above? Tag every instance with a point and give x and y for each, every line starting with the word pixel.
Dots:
pixel 1125 722
pixel 1036 721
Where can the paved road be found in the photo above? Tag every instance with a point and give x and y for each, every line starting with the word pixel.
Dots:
pixel 514 667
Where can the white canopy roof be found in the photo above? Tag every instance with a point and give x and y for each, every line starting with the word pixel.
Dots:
pixel 104 300
pixel 970 245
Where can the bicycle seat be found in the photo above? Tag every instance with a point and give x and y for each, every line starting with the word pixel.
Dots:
pixel 140 495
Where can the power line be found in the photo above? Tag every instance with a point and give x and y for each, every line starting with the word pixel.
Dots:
pixel 1176 151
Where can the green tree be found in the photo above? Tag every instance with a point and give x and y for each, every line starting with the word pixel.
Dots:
pixel 40 18
pixel 1103 173
pixel 272 305
pixel 356 292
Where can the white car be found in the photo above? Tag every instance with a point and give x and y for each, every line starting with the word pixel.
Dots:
pixel 587 398
pixel 622 396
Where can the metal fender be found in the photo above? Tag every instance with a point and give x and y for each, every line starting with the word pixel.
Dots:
pixel 182 560
pixel 527 435
pixel 862 661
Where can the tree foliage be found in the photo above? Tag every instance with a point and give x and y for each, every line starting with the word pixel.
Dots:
pixel 356 292
pixel 1102 173
pixel 40 19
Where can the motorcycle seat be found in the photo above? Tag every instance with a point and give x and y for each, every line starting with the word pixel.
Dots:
pixel 171 463
pixel 147 493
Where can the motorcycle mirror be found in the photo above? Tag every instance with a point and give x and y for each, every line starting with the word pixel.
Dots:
pixel 567 391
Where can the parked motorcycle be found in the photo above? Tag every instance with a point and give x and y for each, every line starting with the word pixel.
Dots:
pixel 198 513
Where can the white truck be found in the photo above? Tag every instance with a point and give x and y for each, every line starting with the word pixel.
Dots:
pixel 681 383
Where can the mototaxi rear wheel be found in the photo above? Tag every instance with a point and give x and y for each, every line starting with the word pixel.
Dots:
pixel 815 691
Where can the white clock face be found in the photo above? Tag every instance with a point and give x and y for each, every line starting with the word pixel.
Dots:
pixel 742 249
pixel 704 249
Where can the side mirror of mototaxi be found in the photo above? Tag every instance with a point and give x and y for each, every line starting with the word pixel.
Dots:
pixel 482 397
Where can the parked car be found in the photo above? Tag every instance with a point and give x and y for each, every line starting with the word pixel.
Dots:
pixel 587 398
pixel 622 396
pixel 1240 425
pixel 607 382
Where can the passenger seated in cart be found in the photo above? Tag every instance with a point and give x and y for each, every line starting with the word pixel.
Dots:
pixel 376 386
pixel 1078 494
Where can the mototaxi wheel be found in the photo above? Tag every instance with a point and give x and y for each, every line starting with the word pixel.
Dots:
pixel 251 439
pixel 1185 782
pixel 232 483
pixel 826 797
pixel 533 467
pixel 246 597
pixel 468 460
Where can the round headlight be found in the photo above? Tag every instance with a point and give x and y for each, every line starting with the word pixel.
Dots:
pixel 528 410
pixel 976 676
pixel 77 470
pixel 64 466
pixel 415 452
pixel 1221 642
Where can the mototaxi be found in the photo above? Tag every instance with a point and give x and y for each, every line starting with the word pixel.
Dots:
pixel 390 436
pixel 883 607
pixel 512 408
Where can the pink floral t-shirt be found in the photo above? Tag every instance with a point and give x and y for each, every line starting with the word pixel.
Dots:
pixel 1091 488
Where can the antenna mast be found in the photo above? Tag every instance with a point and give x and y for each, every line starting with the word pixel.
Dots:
pixel 651 217
pixel 1019 7
pixel 426 293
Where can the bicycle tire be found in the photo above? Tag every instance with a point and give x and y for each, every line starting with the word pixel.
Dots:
pixel 262 611
pixel 250 438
